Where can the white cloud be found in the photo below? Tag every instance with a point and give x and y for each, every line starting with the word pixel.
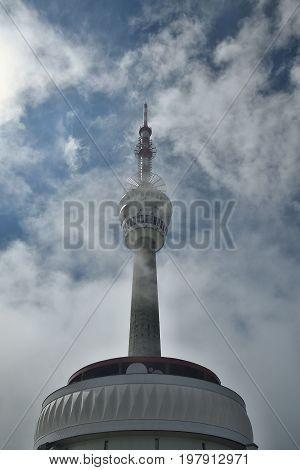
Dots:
pixel 75 152
pixel 254 152
pixel 227 51
pixel 288 13
pixel 168 53
pixel 17 158
pixel 41 312
pixel 68 61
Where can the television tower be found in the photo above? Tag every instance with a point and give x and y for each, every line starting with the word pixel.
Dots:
pixel 144 400
pixel 145 213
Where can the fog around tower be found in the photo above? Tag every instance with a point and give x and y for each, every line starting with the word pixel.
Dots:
pixel 189 60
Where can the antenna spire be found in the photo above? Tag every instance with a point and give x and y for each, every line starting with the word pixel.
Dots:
pixel 145 115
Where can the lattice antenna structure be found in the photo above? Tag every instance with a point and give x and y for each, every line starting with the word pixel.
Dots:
pixel 145 151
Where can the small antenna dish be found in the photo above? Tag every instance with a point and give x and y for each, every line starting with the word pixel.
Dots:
pixel 137 368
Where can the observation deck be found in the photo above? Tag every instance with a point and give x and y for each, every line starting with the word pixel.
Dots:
pixel 145 365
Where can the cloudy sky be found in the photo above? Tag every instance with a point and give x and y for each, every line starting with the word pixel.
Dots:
pixel 222 81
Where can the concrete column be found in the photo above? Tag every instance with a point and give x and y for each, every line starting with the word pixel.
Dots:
pixel 144 338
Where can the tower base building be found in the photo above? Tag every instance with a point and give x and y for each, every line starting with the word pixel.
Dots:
pixel 144 403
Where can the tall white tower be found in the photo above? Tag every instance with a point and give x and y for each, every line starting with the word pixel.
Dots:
pixel 145 213
pixel 144 400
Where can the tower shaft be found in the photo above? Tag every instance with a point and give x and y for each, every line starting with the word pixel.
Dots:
pixel 144 338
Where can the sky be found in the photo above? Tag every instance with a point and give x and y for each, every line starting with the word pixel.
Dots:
pixel 222 82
